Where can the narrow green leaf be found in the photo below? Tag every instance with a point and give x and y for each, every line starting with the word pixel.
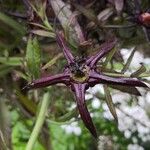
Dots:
pixel 38 25
pixel 47 24
pixel 141 70
pixel 33 57
pixel 126 66
pixel 43 33
pixel 28 104
pixel 12 23
pixel 118 26
pixel 144 75
pixel 21 74
pixel 71 114
pixel 11 61
pixel 131 90
pixel 67 116
pixel 110 103
pixel 4 69
pixel 52 61
pixel 109 56
pixel 115 74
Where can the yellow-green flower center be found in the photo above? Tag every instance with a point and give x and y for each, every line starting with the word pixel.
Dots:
pixel 81 76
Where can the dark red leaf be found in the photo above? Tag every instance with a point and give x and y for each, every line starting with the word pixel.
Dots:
pixel 79 90
pixel 67 52
pixel 46 81
pixel 118 80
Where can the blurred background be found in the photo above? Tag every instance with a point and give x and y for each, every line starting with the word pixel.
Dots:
pixel 28 50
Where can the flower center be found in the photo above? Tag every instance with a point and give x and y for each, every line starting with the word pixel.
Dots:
pixel 79 71
pixel 81 76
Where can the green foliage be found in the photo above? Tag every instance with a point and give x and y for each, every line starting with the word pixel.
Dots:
pixel 13 24
pixel 20 60
pixel 20 135
pixel 11 61
pixel 33 57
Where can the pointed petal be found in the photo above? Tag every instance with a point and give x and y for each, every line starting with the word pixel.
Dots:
pixel 67 52
pixel 110 103
pixel 104 49
pixel 101 78
pixel 46 81
pixel 79 90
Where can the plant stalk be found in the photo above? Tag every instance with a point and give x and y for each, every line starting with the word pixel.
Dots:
pixel 39 122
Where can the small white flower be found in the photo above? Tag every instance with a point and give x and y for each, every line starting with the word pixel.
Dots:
pixel 135 147
pixel 96 103
pixel 77 131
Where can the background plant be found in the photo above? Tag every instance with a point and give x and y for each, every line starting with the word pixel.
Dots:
pixel 29 50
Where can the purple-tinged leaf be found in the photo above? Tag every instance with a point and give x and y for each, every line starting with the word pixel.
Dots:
pixel 118 80
pixel 79 90
pixel 119 5
pixel 67 52
pixel 137 6
pixel 77 33
pixel 68 20
pixel 49 80
pixel 61 10
pixel 104 49
pixel 105 14
pixel 110 103
pixel 43 33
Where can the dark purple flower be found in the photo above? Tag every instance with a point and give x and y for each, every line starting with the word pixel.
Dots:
pixel 80 74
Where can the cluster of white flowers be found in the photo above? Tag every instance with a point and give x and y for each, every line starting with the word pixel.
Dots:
pixel 72 128
pixel 135 147
pixel 131 118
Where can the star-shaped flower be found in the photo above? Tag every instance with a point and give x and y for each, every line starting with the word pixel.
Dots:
pixel 80 74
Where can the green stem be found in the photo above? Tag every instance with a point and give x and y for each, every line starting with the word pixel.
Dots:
pixel 109 57
pixel 116 74
pixel 125 75
pixel 39 122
